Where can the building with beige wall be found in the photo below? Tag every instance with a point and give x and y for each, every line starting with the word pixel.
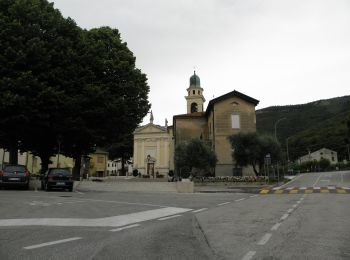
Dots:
pixel 323 153
pixel 153 151
pixel 226 115
pixel 33 163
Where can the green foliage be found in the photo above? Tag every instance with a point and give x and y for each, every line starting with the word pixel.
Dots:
pixel 58 80
pixel 310 126
pixel 324 164
pixel 194 155
pixel 251 148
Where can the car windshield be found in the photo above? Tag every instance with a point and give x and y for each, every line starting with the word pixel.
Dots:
pixel 14 168
pixel 59 172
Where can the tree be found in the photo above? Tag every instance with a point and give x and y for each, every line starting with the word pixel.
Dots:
pixel 61 82
pixel 251 149
pixel 37 65
pixel 194 155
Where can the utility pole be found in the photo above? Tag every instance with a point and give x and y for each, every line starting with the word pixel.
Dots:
pixel 279 120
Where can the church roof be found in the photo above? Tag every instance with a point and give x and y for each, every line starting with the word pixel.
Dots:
pixel 234 93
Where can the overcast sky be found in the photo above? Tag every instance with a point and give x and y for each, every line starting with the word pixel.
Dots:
pixel 279 52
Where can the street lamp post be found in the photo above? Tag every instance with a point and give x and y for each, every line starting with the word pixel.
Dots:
pixel 279 120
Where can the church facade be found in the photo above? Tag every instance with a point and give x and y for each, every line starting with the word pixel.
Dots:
pixel 226 115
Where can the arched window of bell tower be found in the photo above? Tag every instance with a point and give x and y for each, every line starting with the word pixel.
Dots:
pixel 194 92
pixel 194 107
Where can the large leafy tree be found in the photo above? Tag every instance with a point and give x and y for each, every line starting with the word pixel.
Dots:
pixel 38 64
pixel 251 148
pixel 195 156
pixel 63 86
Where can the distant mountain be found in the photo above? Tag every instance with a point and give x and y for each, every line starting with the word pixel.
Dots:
pixel 308 126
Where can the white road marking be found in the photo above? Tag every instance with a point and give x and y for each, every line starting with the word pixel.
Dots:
pixel 249 255
pixel 253 196
pixel 319 177
pixel 346 188
pixel 240 199
pixel 331 187
pixel 298 202
pixel 224 203
pixel 316 188
pixel 199 210
pixel 302 198
pixel 123 202
pixel 302 188
pixel 276 188
pixel 79 192
pixel 295 205
pixel 115 221
pixel 52 243
pixel 39 203
pixel 165 218
pixel 290 210
pixel 285 216
pixel 276 226
pixel 289 188
pixel 126 227
pixel 293 180
pixel 265 239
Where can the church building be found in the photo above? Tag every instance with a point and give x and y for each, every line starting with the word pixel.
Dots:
pixel 226 115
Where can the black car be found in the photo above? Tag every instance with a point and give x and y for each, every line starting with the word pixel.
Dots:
pixel 14 176
pixel 57 178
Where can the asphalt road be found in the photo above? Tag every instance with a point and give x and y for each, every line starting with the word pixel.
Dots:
pixel 321 179
pixel 131 225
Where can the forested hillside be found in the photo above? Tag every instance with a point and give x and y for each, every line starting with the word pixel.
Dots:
pixel 309 126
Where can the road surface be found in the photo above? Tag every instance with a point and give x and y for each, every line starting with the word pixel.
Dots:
pixel 132 225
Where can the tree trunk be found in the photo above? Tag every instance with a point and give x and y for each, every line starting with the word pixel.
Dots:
pixel 45 161
pixel 255 170
pixel 13 152
pixel 77 166
pixel 123 168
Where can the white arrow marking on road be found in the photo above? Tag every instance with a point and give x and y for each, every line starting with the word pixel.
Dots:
pixel 115 221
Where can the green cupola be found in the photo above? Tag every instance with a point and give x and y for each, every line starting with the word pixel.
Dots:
pixel 194 80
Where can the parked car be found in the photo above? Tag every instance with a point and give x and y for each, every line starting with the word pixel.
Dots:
pixel 14 176
pixel 57 178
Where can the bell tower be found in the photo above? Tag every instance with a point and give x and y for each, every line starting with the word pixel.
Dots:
pixel 195 98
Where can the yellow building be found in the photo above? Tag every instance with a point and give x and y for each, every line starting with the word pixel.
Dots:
pixel 33 163
pixel 226 115
pixel 97 166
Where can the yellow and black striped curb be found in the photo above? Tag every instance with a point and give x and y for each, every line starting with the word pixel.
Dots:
pixel 305 190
